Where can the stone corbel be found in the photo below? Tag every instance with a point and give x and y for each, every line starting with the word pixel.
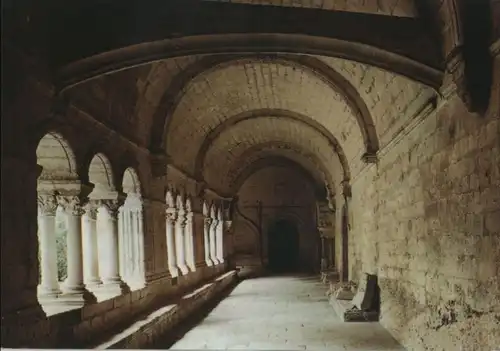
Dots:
pixel 370 157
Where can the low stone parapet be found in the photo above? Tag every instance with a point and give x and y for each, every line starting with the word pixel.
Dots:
pixel 149 328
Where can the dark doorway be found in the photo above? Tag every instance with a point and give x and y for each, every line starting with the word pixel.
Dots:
pixel 283 247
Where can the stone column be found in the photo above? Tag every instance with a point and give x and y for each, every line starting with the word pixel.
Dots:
pixel 74 291
pixel 139 275
pixel 220 237
pixel 49 284
pixel 213 241
pixel 171 217
pixel 112 284
pixel 208 241
pixel 323 254
pixel 90 249
pixel 180 241
pixel 189 242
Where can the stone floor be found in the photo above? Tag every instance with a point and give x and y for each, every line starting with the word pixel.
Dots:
pixel 282 313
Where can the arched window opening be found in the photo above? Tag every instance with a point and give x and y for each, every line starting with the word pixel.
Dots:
pixel 60 285
pixel 131 233
pixel 100 237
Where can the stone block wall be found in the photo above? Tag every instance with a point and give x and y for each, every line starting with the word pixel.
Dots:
pixel 426 220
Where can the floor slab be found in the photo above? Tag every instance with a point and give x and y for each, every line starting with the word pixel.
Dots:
pixel 282 313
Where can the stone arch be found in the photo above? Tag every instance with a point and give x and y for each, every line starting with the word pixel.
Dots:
pixel 226 150
pixel 173 95
pixel 319 172
pixel 56 157
pixel 275 161
pixel 232 121
pixel 131 182
pixel 100 173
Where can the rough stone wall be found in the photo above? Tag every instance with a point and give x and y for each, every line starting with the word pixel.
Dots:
pixel 427 222
pixel 284 195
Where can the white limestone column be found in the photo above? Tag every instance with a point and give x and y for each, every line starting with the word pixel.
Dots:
pixel 171 217
pixel 213 236
pixel 141 276
pixel 207 241
pixel 188 240
pixel 73 287
pixel 220 237
pixel 90 253
pixel 180 231
pixel 112 284
pixel 49 284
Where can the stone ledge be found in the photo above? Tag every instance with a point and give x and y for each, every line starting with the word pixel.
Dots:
pixel 347 312
pixel 144 331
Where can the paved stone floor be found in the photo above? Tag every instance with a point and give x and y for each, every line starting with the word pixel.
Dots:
pixel 282 313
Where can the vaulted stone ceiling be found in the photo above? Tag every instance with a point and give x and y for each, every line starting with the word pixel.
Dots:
pixel 208 112
pixel 403 8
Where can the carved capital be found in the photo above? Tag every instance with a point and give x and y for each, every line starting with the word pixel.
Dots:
pixel 91 209
pixel 208 221
pixel 171 216
pixel 73 205
pixel 112 206
pixel 181 218
pixel 47 203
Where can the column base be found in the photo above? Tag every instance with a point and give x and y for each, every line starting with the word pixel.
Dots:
pixel 76 297
pixel 174 271
pixel 109 290
pixel 184 269
pixel 48 293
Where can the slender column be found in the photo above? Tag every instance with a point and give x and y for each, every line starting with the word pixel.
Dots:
pixel 171 217
pixel 112 284
pixel 220 237
pixel 180 231
pixel 141 278
pixel 188 236
pixel 49 285
pixel 90 253
pixel 121 237
pixel 73 287
pixel 213 240
pixel 323 254
pixel 207 241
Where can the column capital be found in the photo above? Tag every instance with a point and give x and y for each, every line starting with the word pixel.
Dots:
pixel 112 206
pixel 73 204
pixel 181 217
pixel 208 221
pixel 47 203
pixel 91 209
pixel 171 215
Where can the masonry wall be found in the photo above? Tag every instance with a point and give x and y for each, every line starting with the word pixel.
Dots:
pixel 426 220
pixel 284 195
